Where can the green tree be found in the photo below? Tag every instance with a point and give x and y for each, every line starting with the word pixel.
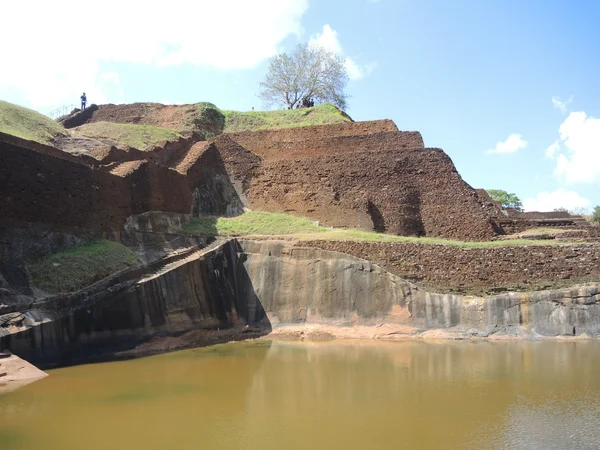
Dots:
pixel 596 215
pixel 506 199
pixel 307 72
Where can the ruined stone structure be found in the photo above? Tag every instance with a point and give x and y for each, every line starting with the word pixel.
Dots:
pixel 365 175
pixel 511 221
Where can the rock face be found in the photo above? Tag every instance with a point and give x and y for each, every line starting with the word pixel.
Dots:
pixel 240 289
pixel 312 286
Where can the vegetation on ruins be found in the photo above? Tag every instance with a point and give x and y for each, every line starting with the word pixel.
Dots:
pixel 205 117
pixel 506 199
pixel 287 226
pixel 142 137
pixel 308 72
pixel 252 222
pixel 287 118
pixel 28 124
pixel 596 215
pixel 79 266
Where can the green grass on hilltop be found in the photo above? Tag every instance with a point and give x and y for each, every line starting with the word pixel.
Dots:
pixel 287 118
pixel 253 222
pixel 28 124
pixel 80 266
pixel 142 137
pixel 286 226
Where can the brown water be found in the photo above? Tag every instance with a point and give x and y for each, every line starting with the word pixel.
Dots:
pixel 340 395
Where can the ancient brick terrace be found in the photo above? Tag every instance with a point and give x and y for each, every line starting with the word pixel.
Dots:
pixel 365 175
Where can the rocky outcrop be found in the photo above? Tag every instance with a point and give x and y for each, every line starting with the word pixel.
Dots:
pixel 311 286
pixel 15 373
pixel 239 289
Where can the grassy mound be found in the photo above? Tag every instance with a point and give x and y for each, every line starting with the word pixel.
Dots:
pixel 80 266
pixel 251 223
pixel 205 118
pixel 28 124
pixel 286 226
pixel 142 137
pixel 287 118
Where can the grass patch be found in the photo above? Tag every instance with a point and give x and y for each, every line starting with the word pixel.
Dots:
pixel 251 223
pixel 80 266
pixel 262 120
pixel 142 137
pixel 205 118
pixel 28 124
pixel 286 226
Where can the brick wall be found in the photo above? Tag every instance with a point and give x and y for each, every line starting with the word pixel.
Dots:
pixel 405 191
pixel 37 187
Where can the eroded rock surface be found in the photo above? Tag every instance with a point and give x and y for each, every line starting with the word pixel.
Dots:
pixel 241 289
pixel 15 373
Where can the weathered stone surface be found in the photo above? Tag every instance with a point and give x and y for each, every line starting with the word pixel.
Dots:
pixel 270 284
pixel 15 373
pixel 307 285
pixel 366 175
pixel 480 271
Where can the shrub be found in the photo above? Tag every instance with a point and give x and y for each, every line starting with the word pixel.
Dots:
pixel 206 118
pixel 596 215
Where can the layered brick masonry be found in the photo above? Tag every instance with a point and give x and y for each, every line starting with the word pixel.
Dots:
pixel 366 175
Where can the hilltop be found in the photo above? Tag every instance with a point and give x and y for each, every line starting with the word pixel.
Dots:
pixel 288 118
pixel 28 124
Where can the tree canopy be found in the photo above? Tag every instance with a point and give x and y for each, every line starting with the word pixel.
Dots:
pixel 307 73
pixel 596 215
pixel 506 199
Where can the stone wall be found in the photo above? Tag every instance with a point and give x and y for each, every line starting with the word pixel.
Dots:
pixel 406 191
pixel 449 268
pixel 37 187
pixel 366 175
pixel 256 140
pixel 282 147
pixel 158 188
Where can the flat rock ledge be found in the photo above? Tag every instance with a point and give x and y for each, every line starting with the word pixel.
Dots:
pixel 16 372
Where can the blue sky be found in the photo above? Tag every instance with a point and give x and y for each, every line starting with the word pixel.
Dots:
pixel 509 89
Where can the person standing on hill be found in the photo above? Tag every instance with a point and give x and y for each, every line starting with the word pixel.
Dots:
pixel 83 101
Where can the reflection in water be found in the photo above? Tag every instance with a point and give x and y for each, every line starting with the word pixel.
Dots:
pixel 354 395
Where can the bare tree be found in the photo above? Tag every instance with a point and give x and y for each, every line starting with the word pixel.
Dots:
pixel 307 73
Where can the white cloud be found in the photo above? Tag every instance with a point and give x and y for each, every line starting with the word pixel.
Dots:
pixel 577 153
pixel 559 198
pixel 552 150
pixel 560 105
pixel 328 39
pixel 67 42
pixel 513 143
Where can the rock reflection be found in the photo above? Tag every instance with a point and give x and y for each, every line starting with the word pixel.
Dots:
pixel 429 393
pixel 339 394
